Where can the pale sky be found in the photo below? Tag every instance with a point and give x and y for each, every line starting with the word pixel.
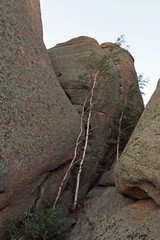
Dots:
pixel 106 20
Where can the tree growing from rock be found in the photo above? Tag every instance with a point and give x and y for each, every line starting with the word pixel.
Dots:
pixel 123 127
pixel 97 69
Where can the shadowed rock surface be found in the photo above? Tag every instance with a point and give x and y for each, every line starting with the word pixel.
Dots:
pixel 38 123
pixel 75 63
pixel 39 126
pixel 137 173
pixel 109 215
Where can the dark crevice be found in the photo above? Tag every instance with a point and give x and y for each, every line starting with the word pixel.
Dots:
pixel 1 188
pixel 63 165
pixel 58 74
pixel 69 97
pixel 3 207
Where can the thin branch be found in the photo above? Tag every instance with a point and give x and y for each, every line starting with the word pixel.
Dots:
pixel 120 128
pixel 74 157
pixel 95 103
pixel 133 125
pixel 84 138
pixel 86 141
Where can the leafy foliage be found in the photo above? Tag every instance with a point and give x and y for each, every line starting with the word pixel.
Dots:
pixel 122 42
pixel 142 82
pixel 44 224
pixel 131 115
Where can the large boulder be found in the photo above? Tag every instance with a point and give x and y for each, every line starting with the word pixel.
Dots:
pixel 109 215
pixel 137 173
pixel 38 123
pixel 75 63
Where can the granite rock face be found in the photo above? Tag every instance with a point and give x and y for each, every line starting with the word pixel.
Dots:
pixel 38 123
pixel 109 215
pixel 75 63
pixel 137 173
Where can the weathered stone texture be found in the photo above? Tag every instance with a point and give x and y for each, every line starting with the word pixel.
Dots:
pixel 75 63
pixel 109 215
pixel 139 166
pixel 38 123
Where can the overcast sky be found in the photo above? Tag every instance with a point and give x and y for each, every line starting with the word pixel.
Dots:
pixel 106 20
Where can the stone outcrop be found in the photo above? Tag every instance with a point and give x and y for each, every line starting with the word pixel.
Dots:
pixel 137 173
pixel 75 63
pixel 38 123
pixel 109 215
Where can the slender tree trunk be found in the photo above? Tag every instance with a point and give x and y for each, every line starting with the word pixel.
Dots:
pixel 86 141
pixel 74 157
pixel 120 128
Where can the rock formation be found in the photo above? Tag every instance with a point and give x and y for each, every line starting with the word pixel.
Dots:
pixel 109 215
pixel 137 173
pixel 75 63
pixel 40 121
pixel 39 125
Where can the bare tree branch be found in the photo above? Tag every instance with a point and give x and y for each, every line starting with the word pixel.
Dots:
pixel 74 157
pixel 86 140
pixel 120 128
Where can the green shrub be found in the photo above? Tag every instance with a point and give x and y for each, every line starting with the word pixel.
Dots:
pixel 46 223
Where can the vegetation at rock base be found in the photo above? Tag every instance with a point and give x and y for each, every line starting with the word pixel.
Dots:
pixel 45 224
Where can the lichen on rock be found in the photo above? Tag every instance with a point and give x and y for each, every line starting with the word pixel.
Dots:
pixel 139 165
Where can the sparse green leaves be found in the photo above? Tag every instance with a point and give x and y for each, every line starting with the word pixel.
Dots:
pixel 12 229
pixel 122 42
pixel 47 222
pixel 142 82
